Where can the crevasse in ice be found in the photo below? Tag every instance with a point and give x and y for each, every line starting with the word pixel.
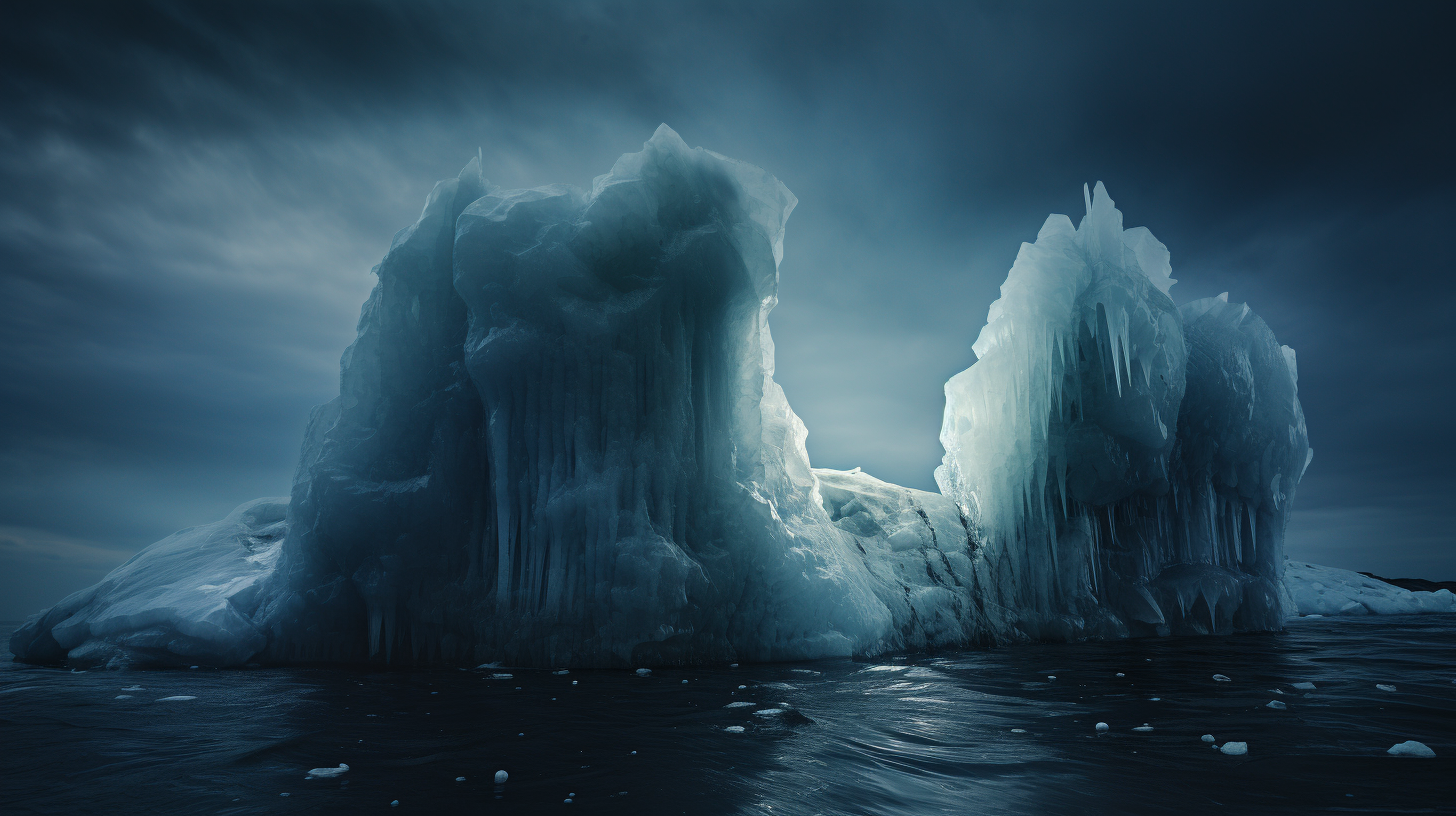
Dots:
pixel 558 441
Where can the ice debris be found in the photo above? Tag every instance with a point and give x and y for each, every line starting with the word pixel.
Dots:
pixel 1143 727
pixel 501 777
pixel 1235 748
pixel 177 698
pixel 327 773
pixel 1411 748
pixel 1275 704
pixel 1207 738
pixel 1221 678
pixel 1102 726
pixel 1385 687
pixel 1303 686
pixel 734 729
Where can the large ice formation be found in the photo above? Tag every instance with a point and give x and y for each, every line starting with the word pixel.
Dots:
pixel 1316 590
pixel 1129 465
pixel 558 441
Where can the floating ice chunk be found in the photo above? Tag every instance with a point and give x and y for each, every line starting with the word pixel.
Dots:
pixel 1102 726
pixel 133 688
pixel 1303 686
pixel 740 705
pixel 1207 738
pixel 1235 748
pixel 643 672
pixel 122 697
pixel 1051 677
pixel 805 671
pixel 575 682
pixel 1276 691
pixel 1143 727
pixel 684 682
pixel 1221 678
pixel 177 698
pixel 459 779
pixel 1411 748
pixel 566 801
pixel 501 777
pixel 1155 699
pixel 1276 705
pixel 731 666
pixel 1120 674
pixel 501 676
pixel 1385 687
pixel 394 803
pixel 1018 730
pixel 740 688
pixel 769 712
pixel 327 773
pixel 734 729
pixel 562 671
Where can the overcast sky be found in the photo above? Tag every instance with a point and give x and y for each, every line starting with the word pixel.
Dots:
pixel 192 197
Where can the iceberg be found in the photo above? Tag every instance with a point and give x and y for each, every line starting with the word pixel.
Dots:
pixel 1326 591
pixel 558 442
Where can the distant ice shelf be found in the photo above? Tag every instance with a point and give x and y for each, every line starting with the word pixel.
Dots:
pixel 1316 590
pixel 558 442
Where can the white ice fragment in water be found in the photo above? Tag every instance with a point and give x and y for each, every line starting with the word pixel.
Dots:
pixel 1411 748
pixel 685 682
pixel 1051 677
pixel 123 697
pixel 1143 727
pixel 805 671
pixel 1235 748
pixel 740 705
pixel 133 688
pixel 734 729
pixel 1102 726
pixel 1275 704
pixel 1306 686
pixel 1120 674
pixel 742 687
pixel 731 666
pixel 327 773
pixel 459 779
pixel 1207 738
pixel 176 698
pixel 769 712
pixel 501 777
pixel 501 676
pixel 395 803
pixel 562 671
pixel 643 672
pixel 574 682
pixel 566 801
pixel 1156 699
pixel 1221 678
pixel 1018 730
pixel 1385 687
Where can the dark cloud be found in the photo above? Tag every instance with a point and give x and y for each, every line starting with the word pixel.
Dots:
pixel 192 194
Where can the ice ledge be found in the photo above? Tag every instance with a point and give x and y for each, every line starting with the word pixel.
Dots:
pixel 1318 590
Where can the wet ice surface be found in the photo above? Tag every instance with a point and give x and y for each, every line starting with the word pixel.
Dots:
pixel 974 731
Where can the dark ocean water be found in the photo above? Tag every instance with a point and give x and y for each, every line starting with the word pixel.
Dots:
pixel 920 734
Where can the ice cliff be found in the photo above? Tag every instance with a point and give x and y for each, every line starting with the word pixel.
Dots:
pixel 558 441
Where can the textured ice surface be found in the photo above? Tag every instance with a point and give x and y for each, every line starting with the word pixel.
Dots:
pixel 558 441
pixel 1128 465
pixel 1317 590
pixel 187 599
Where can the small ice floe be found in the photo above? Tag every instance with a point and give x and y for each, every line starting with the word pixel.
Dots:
pixel 1276 705
pixel 523 733
pixel 327 773
pixel 1120 674
pixel 740 705
pixel 1385 687
pixel 1101 727
pixel 133 688
pixel 769 712
pixel 191 667
pixel 803 671
pixel 1143 727
pixel 1306 686
pixel 395 803
pixel 1234 748
pixel 574 682
pixel 1275 691
pixel 501 676
pixel 562 671
pixel 1221 678
pixel 434 692
pixel 1411 748
pixel 734 729
pixel 634 753
pixel 1207 738
pixel 566 801
pixel 643 672
pixel 283 794
pixel 1018 730
pixel 1156 699
pixel 1051 677
pixel 459 779
pixel 177 698
pixel 484 666
pixel 685 682
pixel 731 666
pixel 123 697
pixel 501 777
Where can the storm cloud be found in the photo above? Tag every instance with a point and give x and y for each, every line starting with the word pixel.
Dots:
pixel 192 197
